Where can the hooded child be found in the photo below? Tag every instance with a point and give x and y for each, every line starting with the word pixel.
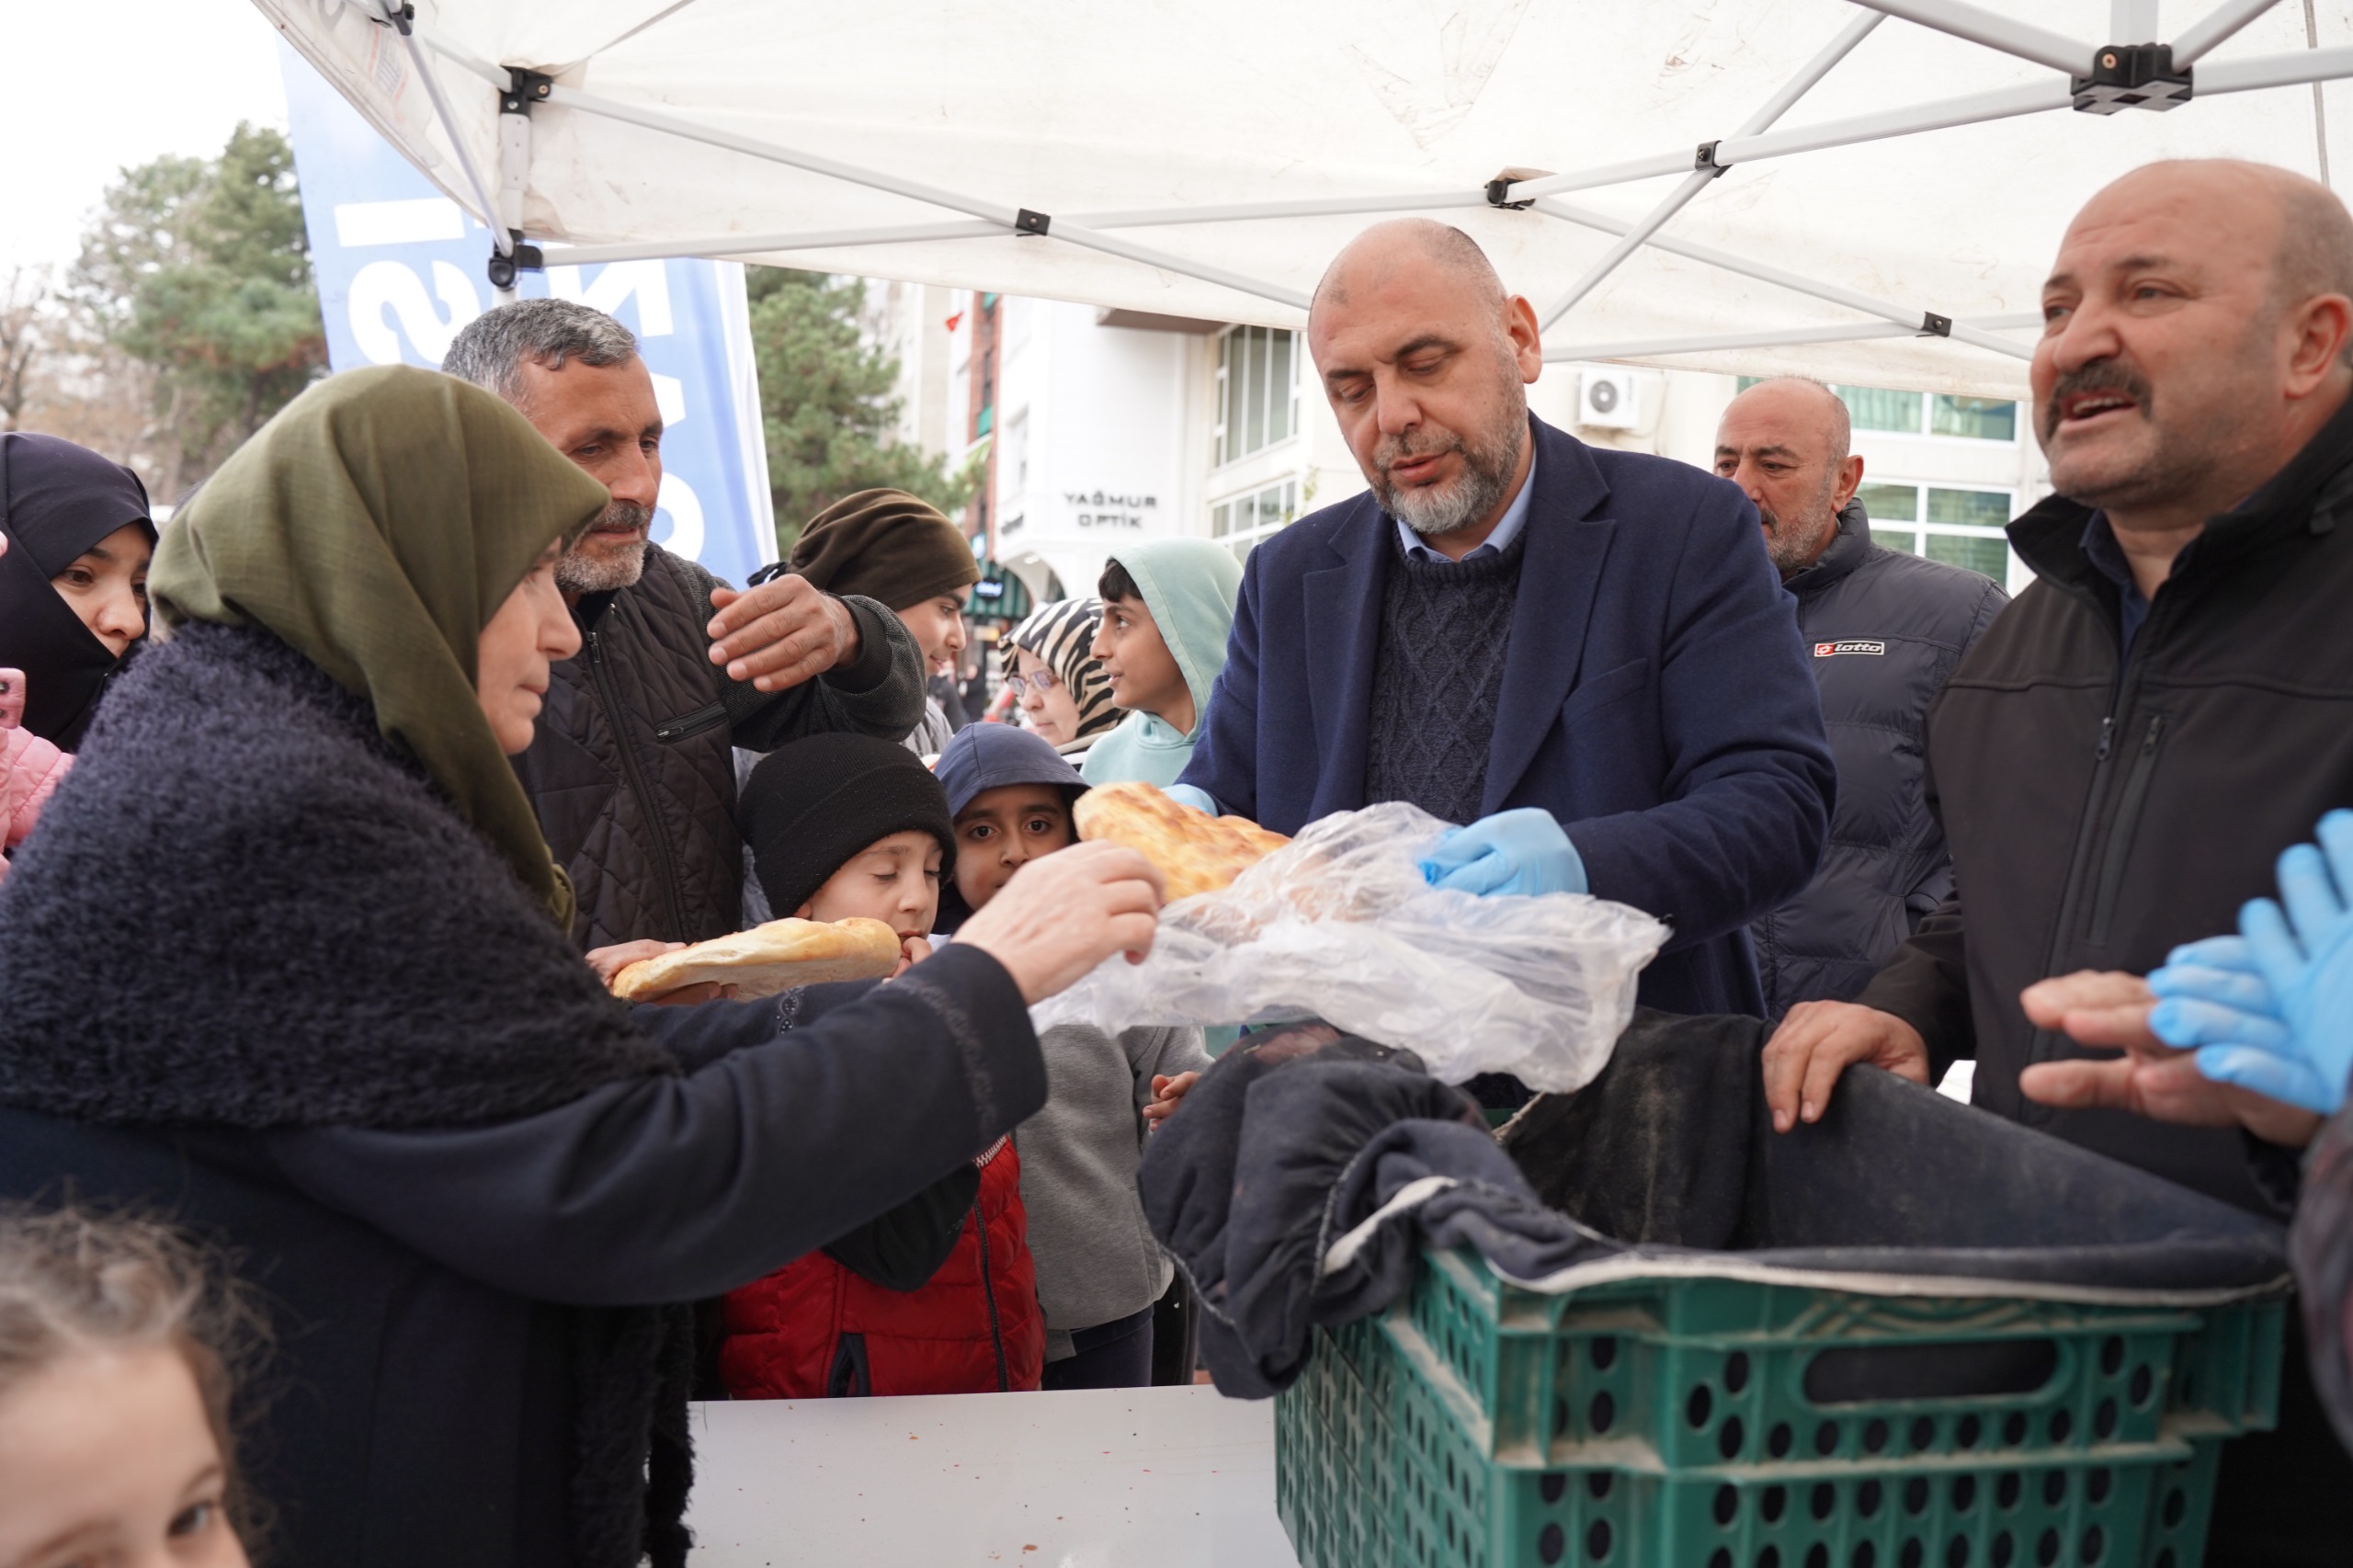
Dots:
pixel 1099 1270
pixel 937 1295
pixel 1168 609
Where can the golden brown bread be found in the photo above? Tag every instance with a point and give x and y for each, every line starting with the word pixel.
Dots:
pixel 768 959
pixel 1197 852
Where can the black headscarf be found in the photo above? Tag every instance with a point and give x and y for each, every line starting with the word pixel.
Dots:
pixel 56 501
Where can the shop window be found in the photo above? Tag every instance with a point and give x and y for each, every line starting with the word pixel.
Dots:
pixel 1257 390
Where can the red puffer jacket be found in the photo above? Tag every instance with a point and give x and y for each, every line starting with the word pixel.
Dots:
pixel 815 1329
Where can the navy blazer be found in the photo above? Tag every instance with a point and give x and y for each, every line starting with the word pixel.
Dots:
pixel 1656 698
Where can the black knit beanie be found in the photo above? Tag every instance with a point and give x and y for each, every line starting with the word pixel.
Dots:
pixel 886 545
pixel 810 807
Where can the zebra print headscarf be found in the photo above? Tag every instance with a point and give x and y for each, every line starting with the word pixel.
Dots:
pixel 1060 634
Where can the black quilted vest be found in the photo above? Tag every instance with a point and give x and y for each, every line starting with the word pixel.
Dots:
pixel 631 773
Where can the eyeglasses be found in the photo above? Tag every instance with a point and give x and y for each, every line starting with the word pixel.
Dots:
pixel 1041 681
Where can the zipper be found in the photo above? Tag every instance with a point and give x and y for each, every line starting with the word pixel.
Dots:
pixel 617 716
pixel 988 1294
pixel 2039 1044
pixel 688 725
pixel 2120 838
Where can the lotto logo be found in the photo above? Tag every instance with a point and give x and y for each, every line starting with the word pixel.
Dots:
pixel 1826 649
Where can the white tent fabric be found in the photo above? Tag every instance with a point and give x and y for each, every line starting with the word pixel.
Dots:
pixel 906 138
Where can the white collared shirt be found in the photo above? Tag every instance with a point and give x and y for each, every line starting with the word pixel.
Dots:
pixel 1514 519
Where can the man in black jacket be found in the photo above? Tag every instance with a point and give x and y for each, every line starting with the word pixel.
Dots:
pixel 633 774
pixel 2119 760
pixel 1884 630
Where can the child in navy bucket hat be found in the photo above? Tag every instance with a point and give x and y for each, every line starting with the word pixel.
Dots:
pixel 1100 1271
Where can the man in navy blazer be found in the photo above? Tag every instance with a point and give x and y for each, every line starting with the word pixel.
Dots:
pixel 1583 654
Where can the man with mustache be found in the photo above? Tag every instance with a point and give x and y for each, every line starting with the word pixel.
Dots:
pixel 1884 630
pixel 1581 654
pixel 2122 756
pixel 632 773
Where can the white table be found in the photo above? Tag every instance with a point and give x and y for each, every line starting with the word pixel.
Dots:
pixel 1120 1478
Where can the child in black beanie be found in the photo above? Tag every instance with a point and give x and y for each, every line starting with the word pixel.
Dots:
pixel 843 825
pixel 938 1295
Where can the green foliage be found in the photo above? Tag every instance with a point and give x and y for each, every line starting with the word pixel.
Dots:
pixel 826 401
pixel 200 269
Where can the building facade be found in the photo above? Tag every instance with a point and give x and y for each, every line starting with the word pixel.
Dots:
pixel 1094 426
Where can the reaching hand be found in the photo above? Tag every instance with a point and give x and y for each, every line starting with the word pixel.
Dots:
pixel 609 961
pixel 1819 1041
pixel 2151 1079
pixel 1060 916
pixel 1522 851
pixel 780 633
pixel 1168 1092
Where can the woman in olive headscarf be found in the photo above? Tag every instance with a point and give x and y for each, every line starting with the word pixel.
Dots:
pixel 287 961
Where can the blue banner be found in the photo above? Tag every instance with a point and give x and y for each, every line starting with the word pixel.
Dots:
pixel 400 271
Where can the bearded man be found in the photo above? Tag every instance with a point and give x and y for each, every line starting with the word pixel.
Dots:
pixel 1885 629
pixel 1581 654
pixel 632 771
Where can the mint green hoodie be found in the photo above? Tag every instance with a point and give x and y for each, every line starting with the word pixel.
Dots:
pixel 1190 586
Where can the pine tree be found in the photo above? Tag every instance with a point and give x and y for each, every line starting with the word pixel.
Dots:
pixel 200 269
pixel 826 401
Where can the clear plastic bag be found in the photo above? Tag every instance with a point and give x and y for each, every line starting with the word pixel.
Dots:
pixel 1339 925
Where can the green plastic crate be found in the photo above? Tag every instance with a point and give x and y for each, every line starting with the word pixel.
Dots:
pixel 1713 1422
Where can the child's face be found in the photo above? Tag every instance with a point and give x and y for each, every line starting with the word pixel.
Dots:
pixel 1003 829
pixel 894 880
pixel 1136 660
pixel 107 1456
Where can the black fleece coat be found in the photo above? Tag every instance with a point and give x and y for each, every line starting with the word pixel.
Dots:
pixel 261 980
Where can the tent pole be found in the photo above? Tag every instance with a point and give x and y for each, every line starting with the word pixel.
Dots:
pixel 1796 87
pixel 2211 29
pixel 1911 319
pixel 1852 332
pixel 499 238
pixel 655 119
pixel 724 245
pixel 496 75
pixel 1011 219
pixel 1970 109
pixel 1979 26
pixel 2274 71
pixel 1777 337
pixel 1316 207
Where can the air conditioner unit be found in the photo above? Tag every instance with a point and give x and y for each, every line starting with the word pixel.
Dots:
pixel 1610 398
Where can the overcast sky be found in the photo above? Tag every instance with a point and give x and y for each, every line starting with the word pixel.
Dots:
pixel 88 87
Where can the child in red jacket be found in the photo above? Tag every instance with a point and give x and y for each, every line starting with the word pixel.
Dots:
pixel 938 1295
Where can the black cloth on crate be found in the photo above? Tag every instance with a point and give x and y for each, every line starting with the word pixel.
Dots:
pixel 1301 1137
pixel 57 500
pixel 264 982
pixel 1445 630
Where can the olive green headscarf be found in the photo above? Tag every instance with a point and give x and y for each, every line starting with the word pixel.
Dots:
pixel 375 526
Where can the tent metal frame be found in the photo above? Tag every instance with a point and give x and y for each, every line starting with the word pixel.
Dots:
pixel 2097 78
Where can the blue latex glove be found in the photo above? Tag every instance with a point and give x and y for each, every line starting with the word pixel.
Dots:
pixel 1192 795
pixel 2274 1012
pixel 1512 852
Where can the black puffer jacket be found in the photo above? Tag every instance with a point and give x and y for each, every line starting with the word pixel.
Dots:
pixel 1885 629
pixel 641 811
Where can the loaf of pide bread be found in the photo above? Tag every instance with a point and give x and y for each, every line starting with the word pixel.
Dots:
pixel 768 959
pixel 1195 851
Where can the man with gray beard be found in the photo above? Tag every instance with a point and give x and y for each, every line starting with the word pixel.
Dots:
pixel 1581 655
pixel 632 772
pixel 1884 630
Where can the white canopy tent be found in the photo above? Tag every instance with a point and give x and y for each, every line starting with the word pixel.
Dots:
pixel 1869 192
